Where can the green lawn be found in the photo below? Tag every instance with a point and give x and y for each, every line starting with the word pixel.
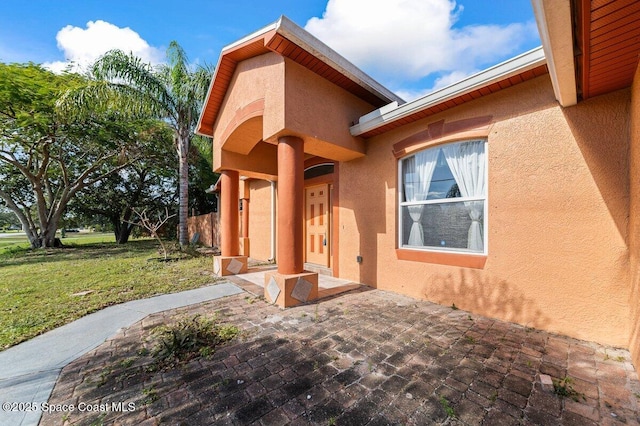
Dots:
pixel 12 240
pixel 43 289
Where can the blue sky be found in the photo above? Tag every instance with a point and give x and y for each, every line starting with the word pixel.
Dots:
pixel 410 46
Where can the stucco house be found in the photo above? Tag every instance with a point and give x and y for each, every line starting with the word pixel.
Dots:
pixel 513 193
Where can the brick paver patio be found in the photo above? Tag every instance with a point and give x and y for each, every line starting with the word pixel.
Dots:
pixel 366 357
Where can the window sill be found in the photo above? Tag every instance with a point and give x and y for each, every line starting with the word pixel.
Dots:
pixel 442 258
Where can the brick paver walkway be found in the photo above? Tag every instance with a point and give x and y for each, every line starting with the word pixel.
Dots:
pixel 367 357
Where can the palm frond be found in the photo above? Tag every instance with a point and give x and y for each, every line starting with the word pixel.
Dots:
pixel 100 97
pixel 119 68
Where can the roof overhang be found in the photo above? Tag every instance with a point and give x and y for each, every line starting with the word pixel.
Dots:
pixel 513 71
pixel 555 27
pixel 291 41
pixel 608 45
pixel 592 47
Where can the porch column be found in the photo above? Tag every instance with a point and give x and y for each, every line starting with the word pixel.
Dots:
pixel 229 262
pixel 291 284
pixel 229 212
pixel 290 205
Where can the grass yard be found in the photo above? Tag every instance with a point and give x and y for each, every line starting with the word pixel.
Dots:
pixel 17 241
pixel 12 241
pixel 43 289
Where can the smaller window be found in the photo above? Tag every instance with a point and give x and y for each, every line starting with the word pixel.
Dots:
pixel 318 170
pixel 443 198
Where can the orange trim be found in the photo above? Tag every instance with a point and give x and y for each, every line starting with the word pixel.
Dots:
pixel 442 258
pixel 441 132
pixel 254 109
pixel 335 232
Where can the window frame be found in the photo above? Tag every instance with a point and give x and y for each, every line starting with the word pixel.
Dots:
pixel 445 251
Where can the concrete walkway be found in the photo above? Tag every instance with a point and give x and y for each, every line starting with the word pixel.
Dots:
pixel 28 371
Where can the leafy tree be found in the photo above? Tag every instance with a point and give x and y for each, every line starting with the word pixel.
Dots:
pixel 173 92
pixel 45 159
pixel 201 176
pixel 8 219
pixel 454 191
pixel 146 184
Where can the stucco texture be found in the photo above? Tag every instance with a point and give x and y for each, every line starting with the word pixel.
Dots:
pixel 260 219
pixel 558 206
pixel 270 97
pixel 321 113
pixel 244 117
pixel 634 220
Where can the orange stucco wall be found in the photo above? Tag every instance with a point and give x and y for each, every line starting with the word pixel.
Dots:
pixel 634 220
pixel 256 81
pixel 557 224
pixel 321 113
pixel 270 97
pixel 260 219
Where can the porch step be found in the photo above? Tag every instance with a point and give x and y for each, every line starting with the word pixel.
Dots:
pixel 318 269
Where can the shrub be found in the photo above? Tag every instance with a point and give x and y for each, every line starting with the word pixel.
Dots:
pixel 190 337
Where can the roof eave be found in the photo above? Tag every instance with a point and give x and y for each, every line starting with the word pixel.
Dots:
pixel 200 126
pixel 317 48
pixel 294 33
pixel 514 66
pixel 555 28
pixel 201 129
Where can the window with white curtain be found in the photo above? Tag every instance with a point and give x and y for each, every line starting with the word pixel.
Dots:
pixel 443 198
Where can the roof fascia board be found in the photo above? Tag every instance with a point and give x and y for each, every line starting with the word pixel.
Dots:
pixel 317 48
pixel 255 35
pixel 514 66
pixel 200 124
pixel 555 27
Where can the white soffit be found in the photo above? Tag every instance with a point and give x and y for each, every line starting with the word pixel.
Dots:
pixel 514 66
pixel 554 25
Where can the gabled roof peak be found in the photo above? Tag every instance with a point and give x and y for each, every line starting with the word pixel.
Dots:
pixel 289 40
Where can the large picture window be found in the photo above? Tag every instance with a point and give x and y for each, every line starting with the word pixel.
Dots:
pixel 443 198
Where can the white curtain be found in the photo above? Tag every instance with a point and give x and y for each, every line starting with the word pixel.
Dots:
pixel 467 163
pixel 418 171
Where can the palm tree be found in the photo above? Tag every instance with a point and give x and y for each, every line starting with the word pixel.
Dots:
pixel 173 92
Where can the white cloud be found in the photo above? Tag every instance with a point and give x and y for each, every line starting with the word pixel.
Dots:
pixel 397 41
pixel 82 46
pixel 450 78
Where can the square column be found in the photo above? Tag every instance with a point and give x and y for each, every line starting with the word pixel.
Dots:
pixel 229 262
pixel 291 284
